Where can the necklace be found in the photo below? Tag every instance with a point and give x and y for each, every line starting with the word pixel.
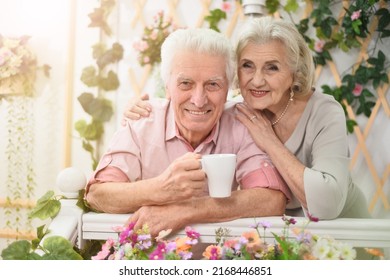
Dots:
pixel 282 114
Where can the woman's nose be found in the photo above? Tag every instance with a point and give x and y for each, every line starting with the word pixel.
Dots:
pixel 258 79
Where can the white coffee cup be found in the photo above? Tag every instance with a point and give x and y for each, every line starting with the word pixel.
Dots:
pixel 220 170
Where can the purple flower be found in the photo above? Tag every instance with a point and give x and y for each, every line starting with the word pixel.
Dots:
pixel 265 224
pixel 289 221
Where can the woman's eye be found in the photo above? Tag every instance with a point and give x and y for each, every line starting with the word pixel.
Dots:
pixel 272 68
pixel 247 65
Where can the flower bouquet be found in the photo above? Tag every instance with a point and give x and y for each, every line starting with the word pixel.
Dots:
pixel 138 244
pixel 17 65
pixel 303 245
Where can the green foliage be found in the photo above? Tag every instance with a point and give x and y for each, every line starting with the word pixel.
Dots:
pixel 41 248
pixel 103 79
pixel 47 207
pixel 53 248
pixel 214 18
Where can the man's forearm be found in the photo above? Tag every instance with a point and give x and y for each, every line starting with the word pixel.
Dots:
pixel 121 197
pixel 259 202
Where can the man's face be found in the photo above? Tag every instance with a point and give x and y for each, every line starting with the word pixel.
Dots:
pixel 198 88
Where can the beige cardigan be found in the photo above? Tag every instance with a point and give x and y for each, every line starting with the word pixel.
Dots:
pixel 320 142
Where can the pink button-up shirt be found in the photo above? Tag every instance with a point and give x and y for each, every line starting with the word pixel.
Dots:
pixel 145 148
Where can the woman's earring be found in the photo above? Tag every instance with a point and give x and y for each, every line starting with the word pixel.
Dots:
pixel 291 95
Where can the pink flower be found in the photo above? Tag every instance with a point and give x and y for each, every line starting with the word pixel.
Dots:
pixel 158 253
pixel 212 252
pixel 319 46
pixel 106 250
pixel 356 14
pixel 191 233
pixel 312 218
pixel 357 90
pixel 226 6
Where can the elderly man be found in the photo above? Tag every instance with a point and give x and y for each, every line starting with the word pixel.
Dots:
pixel 152 166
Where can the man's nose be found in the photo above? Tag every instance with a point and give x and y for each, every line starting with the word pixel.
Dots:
pixel 199 97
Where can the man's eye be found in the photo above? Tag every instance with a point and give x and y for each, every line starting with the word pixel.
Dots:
pixel 184 85
pixel 213 86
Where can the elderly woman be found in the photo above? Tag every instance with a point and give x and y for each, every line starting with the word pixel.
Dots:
pixel 302 130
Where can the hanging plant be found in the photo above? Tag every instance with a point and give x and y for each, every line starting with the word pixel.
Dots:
pixel 18 66
pixel 98 76
pixel 18 70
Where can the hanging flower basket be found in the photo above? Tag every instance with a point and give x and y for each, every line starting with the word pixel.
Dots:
pixel 16 85
pixel 18 66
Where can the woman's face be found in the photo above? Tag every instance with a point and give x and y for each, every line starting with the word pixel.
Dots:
pixel 264 76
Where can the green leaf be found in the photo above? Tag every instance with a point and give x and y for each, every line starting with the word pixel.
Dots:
pixel 98 19
pixel 81 126
pixel 214 18
pixel 111 56
pixel 110 82
pixel 81 203
pixel 89 76
pixel 291 6
pixel 92 131
pixel 350 125
pixel 88 146
pixel 272 5
pixel 100 109
pixel 356 25
pixel 19 250
pixel 98 50
pixel 47 207
pixel 59 248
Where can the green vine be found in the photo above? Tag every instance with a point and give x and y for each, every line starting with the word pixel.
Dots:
pixel 104 80
pixel 19 151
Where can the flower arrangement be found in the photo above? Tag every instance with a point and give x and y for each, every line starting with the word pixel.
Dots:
pixel 303 246
pixel 17 63
pixel 138 244
pixel 149 47
pixel 18 66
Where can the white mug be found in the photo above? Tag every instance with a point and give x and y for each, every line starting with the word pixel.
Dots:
pixel 220 170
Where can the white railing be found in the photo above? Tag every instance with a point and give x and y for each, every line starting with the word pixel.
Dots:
pixel 78 227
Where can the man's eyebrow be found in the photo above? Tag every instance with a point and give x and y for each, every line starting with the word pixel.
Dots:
pixel 216 79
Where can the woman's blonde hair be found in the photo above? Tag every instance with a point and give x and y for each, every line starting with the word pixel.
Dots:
pixel 266 29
